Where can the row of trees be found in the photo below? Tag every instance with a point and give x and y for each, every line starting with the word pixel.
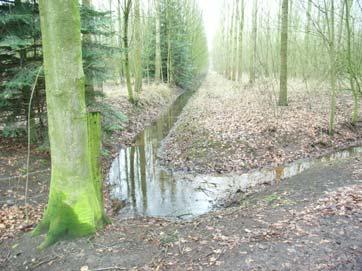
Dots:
pixel 160 41
pixel 308 39
pixel 72 49
pixel 131 42
pixel 21 59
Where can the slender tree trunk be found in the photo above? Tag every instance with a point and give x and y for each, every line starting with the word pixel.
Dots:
pixel 240 50
pixel 229 39
pixel 138 48
pixel 75 205
pixel 158 44
pixel 126 13
pixel 253 42
pixel 307 41
pixel 169 47
pixel 341 25
pixel 283 92
pixel 351 73
pixel 332 59
pixel 234 51
pixel 120 40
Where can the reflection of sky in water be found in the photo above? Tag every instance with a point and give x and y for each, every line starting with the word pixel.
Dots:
pixel 149 190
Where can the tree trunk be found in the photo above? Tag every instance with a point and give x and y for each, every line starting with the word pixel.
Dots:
pixel 235 41
pixel 158 44
pixel 75 201
pixel 333 71
pixel 120 40
pixel 138 48
pixel 240 49
pixel 169 47
pixel 351 73
pixel 283 92
pixel 253 42
pixel 307 41
pixel 126 12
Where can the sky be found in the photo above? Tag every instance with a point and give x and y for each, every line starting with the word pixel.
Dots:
pixel 211 10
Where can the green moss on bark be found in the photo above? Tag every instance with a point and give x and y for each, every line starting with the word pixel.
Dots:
pixel 75 206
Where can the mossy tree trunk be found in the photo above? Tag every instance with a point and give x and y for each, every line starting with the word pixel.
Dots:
pixel 75 201
pixel 283 91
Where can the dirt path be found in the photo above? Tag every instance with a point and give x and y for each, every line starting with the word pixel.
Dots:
pixel 309 222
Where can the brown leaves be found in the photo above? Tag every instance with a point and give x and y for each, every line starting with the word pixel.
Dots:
pixel 12 220
pixel 345 201
pixel 233 129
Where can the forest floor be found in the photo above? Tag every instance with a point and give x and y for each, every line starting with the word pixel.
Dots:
pixel 308 222
pixel 151 103
pixel 228 127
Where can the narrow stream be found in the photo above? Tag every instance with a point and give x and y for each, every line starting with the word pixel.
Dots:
pixel 147 189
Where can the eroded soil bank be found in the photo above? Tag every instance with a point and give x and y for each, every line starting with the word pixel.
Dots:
pixel 227 127
pixel 309 222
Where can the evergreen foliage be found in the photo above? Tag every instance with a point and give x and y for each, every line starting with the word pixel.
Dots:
pixel 21 57
pixel 184 52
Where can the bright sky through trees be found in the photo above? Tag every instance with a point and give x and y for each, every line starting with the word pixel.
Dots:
pixel 211 13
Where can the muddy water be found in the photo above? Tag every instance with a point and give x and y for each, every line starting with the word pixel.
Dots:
pixel 147 189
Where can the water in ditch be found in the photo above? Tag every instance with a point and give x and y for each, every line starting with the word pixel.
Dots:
pixel 147 189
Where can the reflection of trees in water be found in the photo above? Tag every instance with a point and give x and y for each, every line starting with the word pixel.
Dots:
pixel 132 177
pixel 140 169
pixel 126 170
pixel 142 166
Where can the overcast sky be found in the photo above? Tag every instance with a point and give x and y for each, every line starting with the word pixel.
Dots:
pixel 211 10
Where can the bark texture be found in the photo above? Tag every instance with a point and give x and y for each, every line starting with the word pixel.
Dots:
pixel 283 92
pixel 75 202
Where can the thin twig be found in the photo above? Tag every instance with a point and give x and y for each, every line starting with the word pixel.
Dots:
pixel 44 261
pixel 110 268
pixel 28 154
